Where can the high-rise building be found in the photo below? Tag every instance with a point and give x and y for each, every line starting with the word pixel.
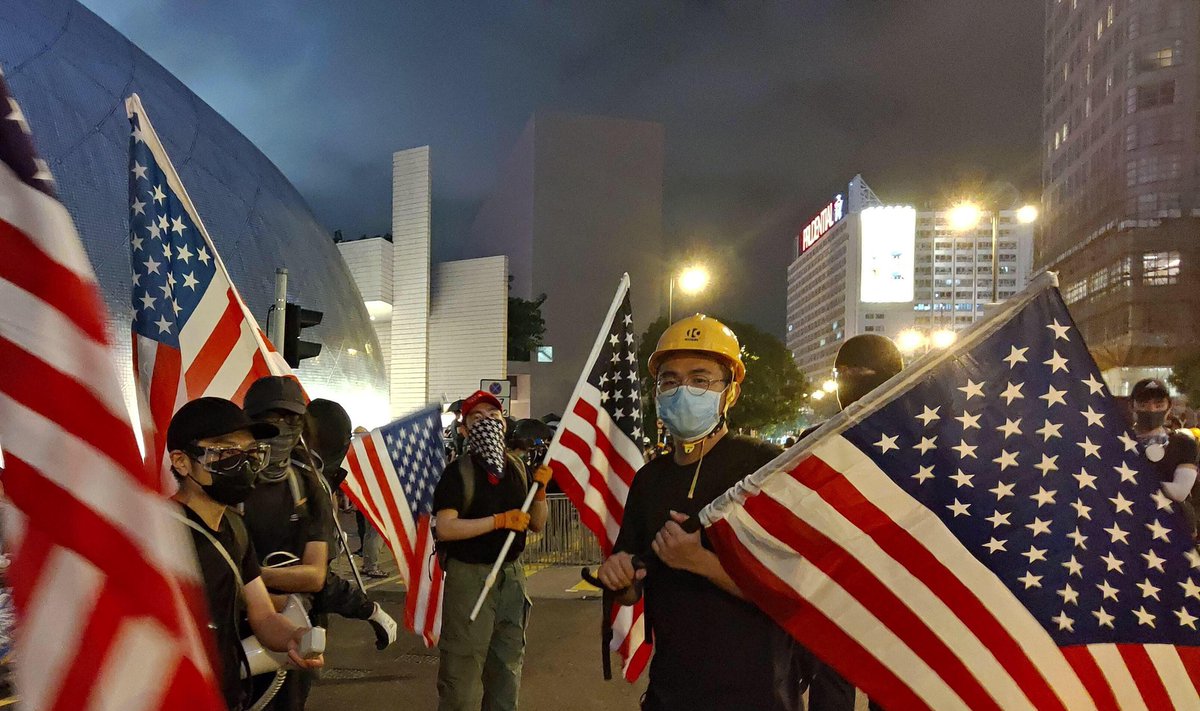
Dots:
pixel 1121 178
pixel 860 266
pixel 578 203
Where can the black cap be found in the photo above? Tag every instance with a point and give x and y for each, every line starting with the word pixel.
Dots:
pixel 212 417
pixel 1149 389
pixel 274 392
pixel 871 350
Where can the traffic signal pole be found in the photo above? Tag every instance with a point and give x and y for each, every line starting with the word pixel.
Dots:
pixel 275 328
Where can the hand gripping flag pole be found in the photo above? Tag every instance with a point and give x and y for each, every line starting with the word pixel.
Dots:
pixel 490 581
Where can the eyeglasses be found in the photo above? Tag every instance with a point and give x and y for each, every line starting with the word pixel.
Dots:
pixel 223 460
pixel 852 371
pixel 695 385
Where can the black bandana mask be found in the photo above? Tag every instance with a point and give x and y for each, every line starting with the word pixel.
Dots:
pixel 485 442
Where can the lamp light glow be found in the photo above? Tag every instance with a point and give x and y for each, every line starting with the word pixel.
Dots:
pixel 1027 214
pixel 964 216
pixel 693 279
pixel 943 338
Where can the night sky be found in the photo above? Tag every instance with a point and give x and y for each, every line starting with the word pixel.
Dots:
pixel 769 107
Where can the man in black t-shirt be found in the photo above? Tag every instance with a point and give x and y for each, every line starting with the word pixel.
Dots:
pixel 1172 452
pixel 215 458
pixel 478 502
pixel 288 514
pixel 712 648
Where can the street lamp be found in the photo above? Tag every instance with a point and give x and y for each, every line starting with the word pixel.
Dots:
pixel 966 215
pixel 818 395
pixel 909 340
pixel 692 280
pixel 943 339
pixel 829 386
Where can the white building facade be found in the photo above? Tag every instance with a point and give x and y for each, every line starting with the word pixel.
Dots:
pixel 442 328
pixel 861 266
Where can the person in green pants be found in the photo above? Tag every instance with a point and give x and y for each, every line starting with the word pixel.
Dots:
pixel 477 502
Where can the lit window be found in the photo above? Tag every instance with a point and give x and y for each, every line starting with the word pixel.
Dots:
pixel 545 354
pixel 1160 268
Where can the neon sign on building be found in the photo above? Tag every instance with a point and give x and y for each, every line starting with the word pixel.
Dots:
pixel 822 223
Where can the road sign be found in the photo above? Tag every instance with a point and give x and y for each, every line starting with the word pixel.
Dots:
pixel 502 389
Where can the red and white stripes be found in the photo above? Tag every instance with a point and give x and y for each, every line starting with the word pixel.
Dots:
pixel 875 584
pixel 594 463
pixel 104 580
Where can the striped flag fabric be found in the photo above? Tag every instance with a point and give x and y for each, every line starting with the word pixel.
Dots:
pixel 597 450
pixel 109 602
pixel 980 532
pixel 394 470
pixel 192 334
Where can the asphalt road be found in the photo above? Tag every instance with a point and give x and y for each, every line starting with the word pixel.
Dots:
pixel 562 662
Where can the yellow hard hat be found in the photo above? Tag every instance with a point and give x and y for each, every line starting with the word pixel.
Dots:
pixel 702 334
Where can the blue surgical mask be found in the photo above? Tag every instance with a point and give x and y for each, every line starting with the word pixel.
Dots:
pixel 689 417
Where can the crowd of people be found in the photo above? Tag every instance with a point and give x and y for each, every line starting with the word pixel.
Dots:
pixel 256 488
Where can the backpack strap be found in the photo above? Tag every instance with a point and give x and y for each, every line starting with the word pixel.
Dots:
pixel 239 540
pixel 466 470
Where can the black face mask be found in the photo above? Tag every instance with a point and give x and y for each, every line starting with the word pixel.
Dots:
pixel 1147 420
pixel 232 487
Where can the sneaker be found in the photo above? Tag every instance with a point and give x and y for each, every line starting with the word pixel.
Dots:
pixel 384 626
pixel 375 572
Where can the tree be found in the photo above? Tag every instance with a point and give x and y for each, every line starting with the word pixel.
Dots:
pixel 1185 376
pixel 526 327
pixel 773 391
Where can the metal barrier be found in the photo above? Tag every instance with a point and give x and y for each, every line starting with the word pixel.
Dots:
pixel 565 540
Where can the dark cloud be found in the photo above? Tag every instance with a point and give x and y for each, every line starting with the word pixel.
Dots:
pixel 769 107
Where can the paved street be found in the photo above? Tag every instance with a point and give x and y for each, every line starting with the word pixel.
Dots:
pixel 562 666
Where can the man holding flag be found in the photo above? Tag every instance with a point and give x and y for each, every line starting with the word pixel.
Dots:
pixel 478 501
pixel 713 650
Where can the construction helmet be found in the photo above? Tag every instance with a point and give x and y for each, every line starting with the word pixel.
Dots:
pixel 700 334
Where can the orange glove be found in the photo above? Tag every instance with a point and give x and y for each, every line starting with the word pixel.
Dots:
pixel 514 520
pixel 542 476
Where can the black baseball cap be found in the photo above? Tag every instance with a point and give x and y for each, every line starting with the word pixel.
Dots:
pixel 275 392
pixel 212 417
pixel 1149 389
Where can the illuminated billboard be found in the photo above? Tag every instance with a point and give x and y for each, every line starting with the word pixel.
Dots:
pixel 825 219
pixel 889 236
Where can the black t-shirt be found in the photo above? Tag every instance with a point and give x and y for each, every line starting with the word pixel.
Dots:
pixel 487 500
pixel 277 523
pixel 711 649
pixel 225 608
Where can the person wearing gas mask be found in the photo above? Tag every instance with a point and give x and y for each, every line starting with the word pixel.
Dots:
pixel 288 515
pixel 1172 452
pixel 327 437
pixel 712 648
pixel 477 502
pixel 215 458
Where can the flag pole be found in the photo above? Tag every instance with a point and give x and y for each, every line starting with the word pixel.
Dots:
pixel 490 581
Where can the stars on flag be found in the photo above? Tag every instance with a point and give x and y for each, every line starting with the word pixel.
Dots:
pixel 1029 474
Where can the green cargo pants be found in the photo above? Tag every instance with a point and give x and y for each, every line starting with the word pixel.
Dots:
pixel 480 665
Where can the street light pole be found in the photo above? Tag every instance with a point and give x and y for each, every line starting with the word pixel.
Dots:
pixel 671 300
pixel 995 256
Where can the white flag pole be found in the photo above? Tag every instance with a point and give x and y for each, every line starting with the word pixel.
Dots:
pixel 490 582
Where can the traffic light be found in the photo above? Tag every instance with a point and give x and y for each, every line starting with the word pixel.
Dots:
pixel 298 319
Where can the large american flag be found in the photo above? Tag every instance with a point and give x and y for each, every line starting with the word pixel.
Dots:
pixel 105 583
pixel 192 334
pixel 983 532
pixel 393 472
pixel 597 449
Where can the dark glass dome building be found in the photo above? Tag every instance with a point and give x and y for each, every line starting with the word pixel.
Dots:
pixel 71 72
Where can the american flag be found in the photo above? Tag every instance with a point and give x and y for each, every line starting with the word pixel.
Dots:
pixel 393 472
pixel 982 532
pixel 104 580
pixel 597 449
pixel 192 334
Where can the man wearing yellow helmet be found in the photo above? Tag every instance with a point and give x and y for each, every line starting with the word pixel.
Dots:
pixel 712 649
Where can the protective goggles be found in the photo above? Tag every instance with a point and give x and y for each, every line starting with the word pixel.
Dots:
pixel 224 460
